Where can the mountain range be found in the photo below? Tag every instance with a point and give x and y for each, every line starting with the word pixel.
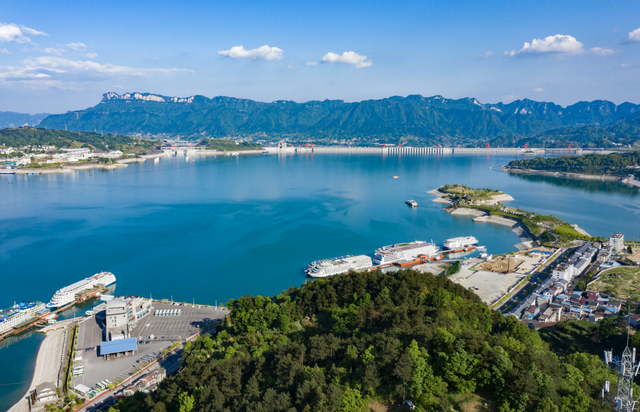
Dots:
pixel 12 119
pixel 414 120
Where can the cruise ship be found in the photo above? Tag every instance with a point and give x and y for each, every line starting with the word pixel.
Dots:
pixel 403 251
pixel 18 314
pixel 337 265
pixel 68 294
pixel 457 243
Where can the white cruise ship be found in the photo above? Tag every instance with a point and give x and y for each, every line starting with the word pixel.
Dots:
pixel 403 251
pixel 68 294
pixel 337 265
pixel 459 243
pixel 18 314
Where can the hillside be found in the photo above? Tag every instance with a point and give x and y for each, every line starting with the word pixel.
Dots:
pixel 622 132
pixel 345 342
pixel 24 136
pixel 12 119
pixel 413 120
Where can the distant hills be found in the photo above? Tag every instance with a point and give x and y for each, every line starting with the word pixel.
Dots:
pixel 28 136
pixel 413 120
pixel 12 119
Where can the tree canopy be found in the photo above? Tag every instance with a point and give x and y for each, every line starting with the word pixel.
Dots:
pixel 340 343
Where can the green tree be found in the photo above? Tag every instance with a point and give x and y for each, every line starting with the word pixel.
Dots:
pixel 352 401
pixel 186 401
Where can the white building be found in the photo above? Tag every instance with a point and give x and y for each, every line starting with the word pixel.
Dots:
pixel 616 241
pixel 122 315
pixel 563 272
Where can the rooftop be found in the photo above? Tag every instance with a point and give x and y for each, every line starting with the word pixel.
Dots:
pixel 117 346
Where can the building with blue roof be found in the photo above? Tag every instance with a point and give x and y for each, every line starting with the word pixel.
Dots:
pixel 118 347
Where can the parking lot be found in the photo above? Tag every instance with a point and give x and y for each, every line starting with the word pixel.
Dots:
pixel 165 330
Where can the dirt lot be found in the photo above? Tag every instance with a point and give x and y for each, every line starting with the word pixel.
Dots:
pixel 621 282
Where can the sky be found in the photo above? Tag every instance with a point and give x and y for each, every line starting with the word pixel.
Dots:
pixel 63 55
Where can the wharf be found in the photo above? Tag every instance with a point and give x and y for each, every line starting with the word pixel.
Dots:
pixel 24 326
pixel 90 294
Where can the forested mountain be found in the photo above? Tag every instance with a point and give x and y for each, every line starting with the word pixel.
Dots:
pixel 12 119
pixel 29 136
pixel 341 343
pixel 617 164
pixel 414 120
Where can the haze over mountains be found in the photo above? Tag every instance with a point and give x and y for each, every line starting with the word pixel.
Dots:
pixel 12 119
pixel 414 120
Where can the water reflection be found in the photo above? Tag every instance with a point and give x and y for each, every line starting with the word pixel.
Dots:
pixel 589 185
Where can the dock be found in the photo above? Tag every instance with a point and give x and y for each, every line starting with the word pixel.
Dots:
pixel 90 294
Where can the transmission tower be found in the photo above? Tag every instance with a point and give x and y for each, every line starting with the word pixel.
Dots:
pixel 627 369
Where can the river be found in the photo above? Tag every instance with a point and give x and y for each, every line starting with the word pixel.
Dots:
pixel 209 228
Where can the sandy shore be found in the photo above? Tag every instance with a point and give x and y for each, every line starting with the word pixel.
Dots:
pixel 47 368
pixel 463 211
pixel 581 231
pixel 495 199
pixel 439 196
pixel 516 227
pixel 563 174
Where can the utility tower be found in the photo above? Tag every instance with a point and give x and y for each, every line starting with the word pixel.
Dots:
pixel 627 369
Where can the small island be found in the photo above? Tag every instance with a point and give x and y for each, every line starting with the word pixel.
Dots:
pixel 624 167
pixel 228 145
pixel 485 205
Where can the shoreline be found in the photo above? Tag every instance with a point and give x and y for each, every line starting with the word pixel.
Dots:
pixel 581 176
pixel 480 216
pixel 47 369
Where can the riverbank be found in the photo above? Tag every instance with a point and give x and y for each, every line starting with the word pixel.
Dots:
pixel 480 216
pixel 583 176
pixel 48 364
pixel 71 168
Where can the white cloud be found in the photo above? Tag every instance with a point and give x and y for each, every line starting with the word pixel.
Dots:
pixel 625 65
pixel 289 66
pixel 311 63
pixel 4 51
pixel 634 36
pixel 487 55
pixel 559 44
pixel 53 71
pixel 348 58
pixel 53 50
pixel 77 46
pixel 538 89
pixel 599 51
pixel 14 33
pixel 91 55
pixel 261 53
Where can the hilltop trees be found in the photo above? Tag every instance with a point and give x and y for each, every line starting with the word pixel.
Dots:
pixel 343 342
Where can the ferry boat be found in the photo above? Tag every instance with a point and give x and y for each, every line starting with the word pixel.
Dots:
pixel 338 265
pixel 404 251
pixel 68 294
pixel 457 243
pixel 412 203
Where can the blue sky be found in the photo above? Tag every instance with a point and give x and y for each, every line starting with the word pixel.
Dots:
pixel 63 55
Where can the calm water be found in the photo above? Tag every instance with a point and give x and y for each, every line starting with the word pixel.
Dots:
pixel 212 229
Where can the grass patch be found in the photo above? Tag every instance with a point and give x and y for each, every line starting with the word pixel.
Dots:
pixel 620 282
pixel 453 269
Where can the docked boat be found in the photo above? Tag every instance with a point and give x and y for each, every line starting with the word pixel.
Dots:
pixel 460 243
pixel 18 315
pixel 412 203
pixel 338 265
pixel 68 294
pixel 404 251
